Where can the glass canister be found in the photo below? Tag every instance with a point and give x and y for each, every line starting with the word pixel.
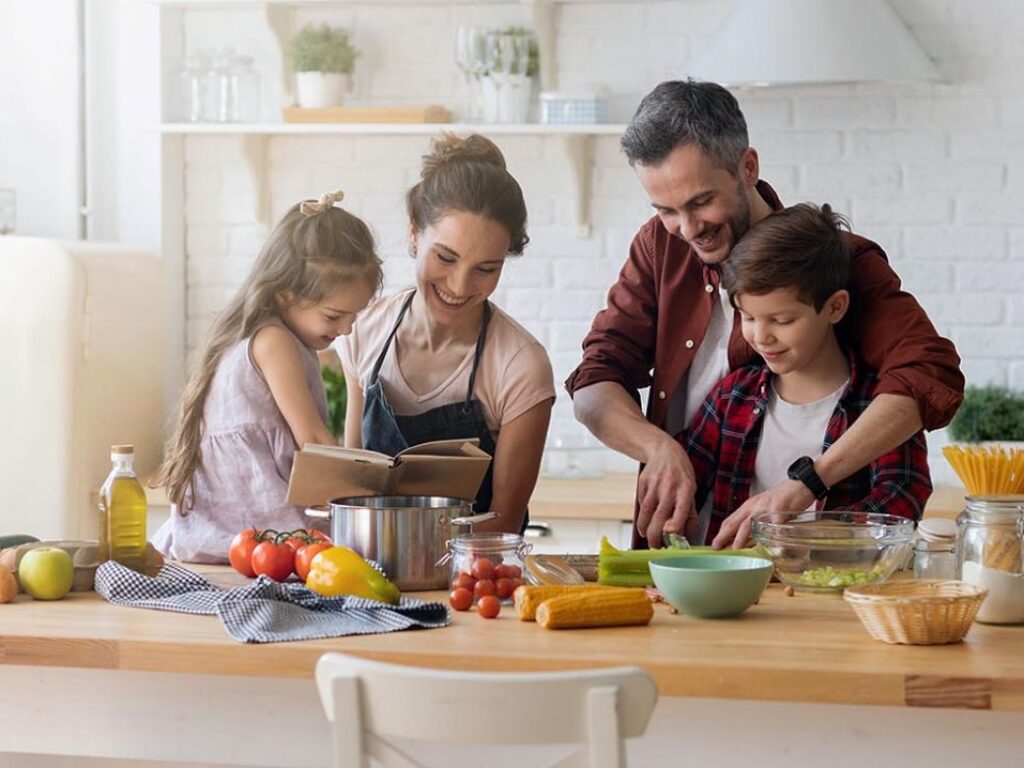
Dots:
pixel 990 554
pixel 487 563
pixel 935 549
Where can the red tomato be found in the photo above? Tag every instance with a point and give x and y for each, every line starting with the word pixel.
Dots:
pixel 504 588
pixel 273 560
pixel 460 599
pixel 304 557
pixel 240 551
pixel 464 580
pixel 513 571
pixel 319 535
pixel 482 568
pixel 483 588
pixel 489 607
pixel 499 572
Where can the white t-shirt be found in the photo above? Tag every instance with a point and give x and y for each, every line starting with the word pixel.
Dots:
pixel 710 365
pixel 513 376
pixel 790 431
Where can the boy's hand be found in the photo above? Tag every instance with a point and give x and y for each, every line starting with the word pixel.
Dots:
pixel 665 492
pixel 787 496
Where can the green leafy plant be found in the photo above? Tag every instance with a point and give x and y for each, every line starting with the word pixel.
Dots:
pixel 989 413
pixel 337 399
pixel 533 62
pixel 323 49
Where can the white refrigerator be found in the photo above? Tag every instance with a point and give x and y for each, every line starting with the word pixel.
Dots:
pixel 82 330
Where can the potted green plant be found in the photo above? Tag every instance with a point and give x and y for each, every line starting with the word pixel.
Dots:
pixel 989 414
pixel 337 399
pixel 323 58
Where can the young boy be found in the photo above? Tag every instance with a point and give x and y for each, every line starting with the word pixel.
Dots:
pixel 766 422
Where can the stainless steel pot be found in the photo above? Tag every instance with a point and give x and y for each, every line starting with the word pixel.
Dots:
pixel 406 535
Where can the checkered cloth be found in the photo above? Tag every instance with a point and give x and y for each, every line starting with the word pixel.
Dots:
pixel 264 611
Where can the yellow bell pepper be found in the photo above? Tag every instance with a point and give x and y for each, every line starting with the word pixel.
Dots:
pixel 342 571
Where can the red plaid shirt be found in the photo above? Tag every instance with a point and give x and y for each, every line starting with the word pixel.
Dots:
pixel 722 446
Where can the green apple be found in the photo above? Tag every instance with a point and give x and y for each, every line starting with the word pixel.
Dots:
pixel 46 573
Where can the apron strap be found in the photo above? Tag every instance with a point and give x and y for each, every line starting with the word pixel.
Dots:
pixel 391 336
pixel 476 357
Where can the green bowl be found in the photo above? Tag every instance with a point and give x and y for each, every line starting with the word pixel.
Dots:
pixel 711 586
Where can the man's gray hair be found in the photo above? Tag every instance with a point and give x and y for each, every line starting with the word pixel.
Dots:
pixel 687 112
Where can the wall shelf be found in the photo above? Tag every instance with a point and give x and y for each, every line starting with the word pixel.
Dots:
pixel 391 129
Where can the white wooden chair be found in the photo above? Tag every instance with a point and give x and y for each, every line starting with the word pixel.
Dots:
pixel 370 703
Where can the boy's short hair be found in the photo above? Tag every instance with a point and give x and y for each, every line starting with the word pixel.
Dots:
pixel 801 247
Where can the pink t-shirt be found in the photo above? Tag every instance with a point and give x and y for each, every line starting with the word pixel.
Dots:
pixel 514 374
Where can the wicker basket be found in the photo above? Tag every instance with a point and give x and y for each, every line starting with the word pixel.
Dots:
pixel 916 612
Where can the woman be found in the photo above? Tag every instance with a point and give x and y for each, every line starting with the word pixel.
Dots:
pixel 440 361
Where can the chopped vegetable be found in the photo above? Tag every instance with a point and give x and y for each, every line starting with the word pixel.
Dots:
pixel 829 576
pixel 630 568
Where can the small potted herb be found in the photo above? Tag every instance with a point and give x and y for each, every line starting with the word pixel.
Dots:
pixel 323 58
pixel 337 399
pixel 989 414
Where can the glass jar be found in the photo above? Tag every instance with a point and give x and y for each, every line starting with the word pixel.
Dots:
pixel 990 554
pixel 935 549
pixel 487 563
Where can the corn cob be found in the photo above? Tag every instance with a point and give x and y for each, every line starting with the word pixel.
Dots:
pixel 630 568
pixel 527 597
pixel 598 608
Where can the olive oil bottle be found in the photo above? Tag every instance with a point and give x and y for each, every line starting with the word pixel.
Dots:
pixel 122 508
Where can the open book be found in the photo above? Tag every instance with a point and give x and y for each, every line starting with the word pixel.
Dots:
pixel 439 468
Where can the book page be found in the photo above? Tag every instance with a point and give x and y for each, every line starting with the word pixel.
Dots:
pixel 468 446
pixel 351 454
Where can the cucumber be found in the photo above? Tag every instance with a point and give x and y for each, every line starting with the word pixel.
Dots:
pixel 16 539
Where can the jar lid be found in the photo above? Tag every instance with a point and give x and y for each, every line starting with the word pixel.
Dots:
pixel 936 529
pixel 122 449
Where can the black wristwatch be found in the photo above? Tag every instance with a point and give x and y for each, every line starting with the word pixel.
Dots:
pixel 803 470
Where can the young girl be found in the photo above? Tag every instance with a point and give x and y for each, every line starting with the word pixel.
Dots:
pixel 440 360
pixel 257 394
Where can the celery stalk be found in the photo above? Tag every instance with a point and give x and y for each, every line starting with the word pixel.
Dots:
pixel 630 568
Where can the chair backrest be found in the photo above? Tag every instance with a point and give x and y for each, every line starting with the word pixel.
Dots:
pixel 370 703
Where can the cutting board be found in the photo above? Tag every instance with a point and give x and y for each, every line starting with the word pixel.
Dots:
pixel 429 114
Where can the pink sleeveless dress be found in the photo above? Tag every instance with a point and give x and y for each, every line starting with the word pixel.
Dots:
pixel 247 453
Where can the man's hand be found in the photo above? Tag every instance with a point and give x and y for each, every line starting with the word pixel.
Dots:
pixel 787 496
pixel 665 493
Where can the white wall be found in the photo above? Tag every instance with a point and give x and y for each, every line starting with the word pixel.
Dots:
pixel 935 173
pixel 39 114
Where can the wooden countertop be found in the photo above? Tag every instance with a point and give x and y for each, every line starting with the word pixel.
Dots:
pixel 806 648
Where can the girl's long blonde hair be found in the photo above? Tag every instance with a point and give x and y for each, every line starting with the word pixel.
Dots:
pixel 316 247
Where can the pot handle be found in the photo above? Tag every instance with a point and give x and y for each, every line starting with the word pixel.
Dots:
pixel 472 520
pixel 322 511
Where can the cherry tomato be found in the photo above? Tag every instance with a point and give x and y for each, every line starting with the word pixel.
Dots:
pixel 489 607
pixel 499 572
pixel 504 588
pixel 460 599
pixel 304 557
pixel 482 568
pixel 513 571
pixel 483 588
pixel 240 551
pixel 464 580
pixel 273 560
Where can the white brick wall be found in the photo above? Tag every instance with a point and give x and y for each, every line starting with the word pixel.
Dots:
pixel 934 173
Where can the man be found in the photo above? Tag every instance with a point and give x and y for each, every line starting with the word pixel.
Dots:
pixel 668 324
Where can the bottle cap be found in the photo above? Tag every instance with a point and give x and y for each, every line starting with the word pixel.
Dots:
pixel 937 529
pixel 122 449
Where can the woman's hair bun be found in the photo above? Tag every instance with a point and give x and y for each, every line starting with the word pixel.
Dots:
pixel 457 149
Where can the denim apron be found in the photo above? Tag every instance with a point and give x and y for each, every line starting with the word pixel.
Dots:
pixel 386 432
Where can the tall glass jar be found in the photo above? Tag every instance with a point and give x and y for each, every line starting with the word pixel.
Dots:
pixel 487 563
pixel 990 554
pixel 935 549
